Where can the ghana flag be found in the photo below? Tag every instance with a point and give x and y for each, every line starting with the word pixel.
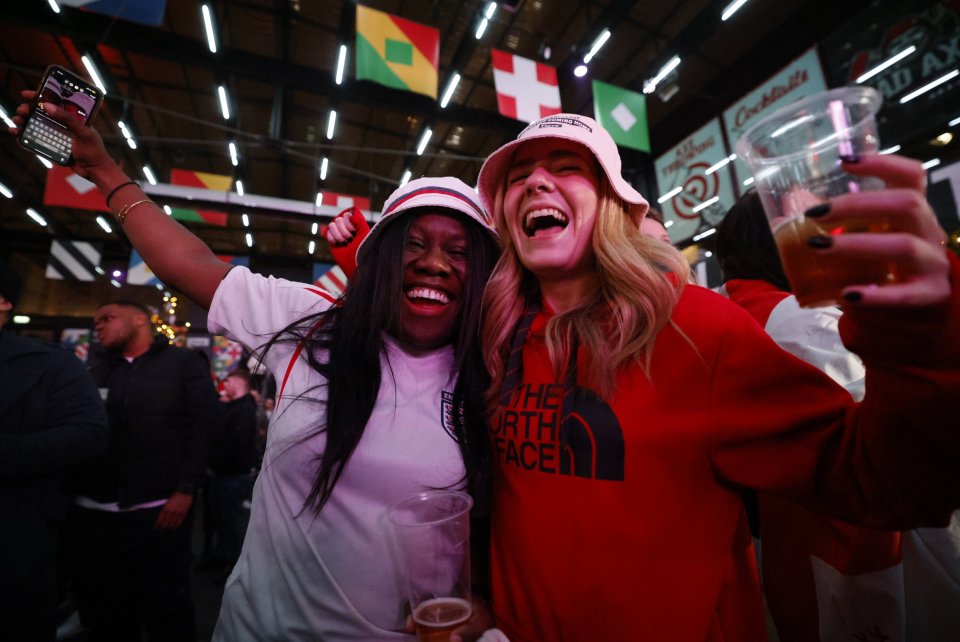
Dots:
pixel 188 178
pixel 396 52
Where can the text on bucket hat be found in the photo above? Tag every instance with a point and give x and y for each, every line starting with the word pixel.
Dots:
pixel 445 193
pixel 572 127
pixel 10 284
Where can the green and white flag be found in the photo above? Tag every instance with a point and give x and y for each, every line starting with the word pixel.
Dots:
pixel 623 113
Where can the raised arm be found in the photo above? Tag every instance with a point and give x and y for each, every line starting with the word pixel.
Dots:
pixel 175 255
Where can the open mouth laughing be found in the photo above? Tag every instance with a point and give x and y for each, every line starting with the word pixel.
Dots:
pixel 542 219
pixel 427 296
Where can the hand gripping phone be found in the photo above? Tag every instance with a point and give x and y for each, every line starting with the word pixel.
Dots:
pixel 71 93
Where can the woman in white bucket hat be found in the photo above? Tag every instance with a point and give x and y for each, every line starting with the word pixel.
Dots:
pixel 379 397
pixel 631 409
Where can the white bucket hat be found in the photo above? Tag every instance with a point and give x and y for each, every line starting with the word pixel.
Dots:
pixel 573 127
pixel 445 192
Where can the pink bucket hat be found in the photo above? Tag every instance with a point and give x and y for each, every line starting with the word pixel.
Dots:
pixel 445 192
pixel 573 127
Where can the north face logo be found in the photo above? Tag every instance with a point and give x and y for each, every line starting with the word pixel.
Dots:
pixel 527 434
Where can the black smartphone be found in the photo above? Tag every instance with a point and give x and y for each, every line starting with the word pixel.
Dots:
pixel 68 91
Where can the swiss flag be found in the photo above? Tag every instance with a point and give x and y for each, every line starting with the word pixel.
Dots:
pixel 66 189
pixel 526 90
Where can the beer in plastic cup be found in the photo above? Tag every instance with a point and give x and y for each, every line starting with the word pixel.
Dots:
pixel 432 544
pixel 795 155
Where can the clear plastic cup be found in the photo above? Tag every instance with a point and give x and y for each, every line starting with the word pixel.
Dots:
pixel 795 157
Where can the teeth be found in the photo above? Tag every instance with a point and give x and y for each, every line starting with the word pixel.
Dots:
pixel 555 214
pixel 428 293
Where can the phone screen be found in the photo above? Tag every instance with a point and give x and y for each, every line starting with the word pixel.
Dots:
pixel 68 92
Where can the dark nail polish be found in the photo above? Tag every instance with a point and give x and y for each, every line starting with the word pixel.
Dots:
pixel 850 158
pixel 817 210
pixel 852 297
pixel 820 242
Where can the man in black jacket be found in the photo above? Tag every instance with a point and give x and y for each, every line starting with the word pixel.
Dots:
pixel 232 465
pixel 131 524
pixel 51 419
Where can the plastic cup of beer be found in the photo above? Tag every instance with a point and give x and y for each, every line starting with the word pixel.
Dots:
pixel 795 158
pixel 432 536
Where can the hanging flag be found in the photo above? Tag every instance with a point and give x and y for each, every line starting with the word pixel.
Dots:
pixel 397 52
pixel 77 340
pixel 343 201
pixel 73 260
pixel 189 178
pixel 330 277
pixel 66 189
pixel 526 90
pixel 623 113
pixel 146 12
pixel 139 273
pixel 235 260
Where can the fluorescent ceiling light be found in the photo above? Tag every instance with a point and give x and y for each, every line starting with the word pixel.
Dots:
pixel 311 246
pixel 35 215
pixel 341 63
pixel 5 191
pixel 115 283
pixel 245 219
pixel 92 70
pixel 249 237
pixel 406 177
pixel 668 224
pixel 719 164
pixel 491 9
pixel 104 225
pixel 481 28
pixel 314 228
pixel 666 197
pixel 98 270
pixel 22 319
pixel 705 205
pixel 149 174
pixel 955 121
pixel 323 168
pixel 319 199
pixel 451 87
pixel 597 44
pixel 331 123
pixel 239 187
pixel 889 62
pixel 168 210
pixel 709 232
pixel 651 85
pixel 45 162
pixel 422 145
pixel 224 107
pixel 233 153
pixel 731 9
pixel 126 134
pixel 6 118
pixel 53 5
pixel 747 182
pixel 890 150
pixel 936 83
pixel 933 162
pixel 208 28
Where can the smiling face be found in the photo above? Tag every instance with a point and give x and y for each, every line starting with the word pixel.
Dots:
pixel 434 273
pixel 550 209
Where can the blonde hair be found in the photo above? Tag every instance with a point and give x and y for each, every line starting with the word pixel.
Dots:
pixel 619 321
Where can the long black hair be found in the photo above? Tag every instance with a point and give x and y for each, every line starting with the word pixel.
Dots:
pixel 745 247
pixel 345 344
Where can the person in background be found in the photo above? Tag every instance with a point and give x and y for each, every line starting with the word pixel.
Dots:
pixel 823 579
pixel 380 396
pixel 232 463
pixel 51 421
pixel 653 226
pixel 632 409
pixel 129 531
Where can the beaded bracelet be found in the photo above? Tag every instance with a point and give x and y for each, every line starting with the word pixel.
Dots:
pixel 122 214
pixel 117 189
